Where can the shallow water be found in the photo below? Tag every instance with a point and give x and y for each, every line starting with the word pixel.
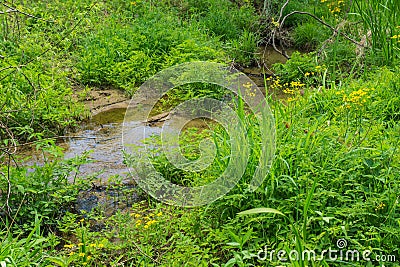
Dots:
pixel 102 134
pixel 102 137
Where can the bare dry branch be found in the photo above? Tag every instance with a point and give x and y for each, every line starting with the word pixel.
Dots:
pixel 283 8
pixel 336 31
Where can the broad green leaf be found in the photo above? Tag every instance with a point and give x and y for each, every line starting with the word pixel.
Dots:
pixel 260 210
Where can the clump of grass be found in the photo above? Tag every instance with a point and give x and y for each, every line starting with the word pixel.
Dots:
pixel 381 21
pixel 309 35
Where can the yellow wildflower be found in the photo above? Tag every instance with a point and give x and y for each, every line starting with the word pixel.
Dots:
pixel 247 85
pixel 339 92
pixel 151 222
pixel 288 91
pixel 380 206
pixel 357 97
pixel 275 23
pixel 81 254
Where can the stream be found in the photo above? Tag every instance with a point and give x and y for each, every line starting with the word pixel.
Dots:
pixel 102 136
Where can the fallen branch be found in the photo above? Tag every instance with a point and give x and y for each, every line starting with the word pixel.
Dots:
pixel 283 52
pixel 336 31
pixel 281 22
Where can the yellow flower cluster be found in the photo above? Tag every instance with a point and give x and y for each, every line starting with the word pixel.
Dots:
pixel 92 245
pixel 288 88
pixel 250 91
pixel 318 70
pixel 355 98
pixel 293 89
pixel 335 6
pixel 80 250
pixel 396 36
pixel 147 221
pixel 381 206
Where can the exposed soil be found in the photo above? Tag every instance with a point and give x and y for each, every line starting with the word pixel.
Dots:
pixel 99 100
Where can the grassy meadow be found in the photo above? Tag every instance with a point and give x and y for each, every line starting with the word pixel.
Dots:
pixel 334 183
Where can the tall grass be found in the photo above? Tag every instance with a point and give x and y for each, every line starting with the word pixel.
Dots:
pixel 381 20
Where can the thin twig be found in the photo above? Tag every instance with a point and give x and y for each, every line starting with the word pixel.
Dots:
pixel 6 68
pixel 281 22
pixel 6 204
pixel 9 185
pixel 8 11
pixel 15 216
pixel 13 141
pixel 282 52
pixel 323 23
pixel 15 10
pixel 274 31
pixel 283 8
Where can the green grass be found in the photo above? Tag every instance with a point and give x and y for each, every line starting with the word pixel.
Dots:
pixel 381 21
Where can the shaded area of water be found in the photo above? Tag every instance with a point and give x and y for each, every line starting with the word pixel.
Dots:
pixel 268 57
pixel 102 137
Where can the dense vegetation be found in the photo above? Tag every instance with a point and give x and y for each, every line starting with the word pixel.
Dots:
pixel 337 166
